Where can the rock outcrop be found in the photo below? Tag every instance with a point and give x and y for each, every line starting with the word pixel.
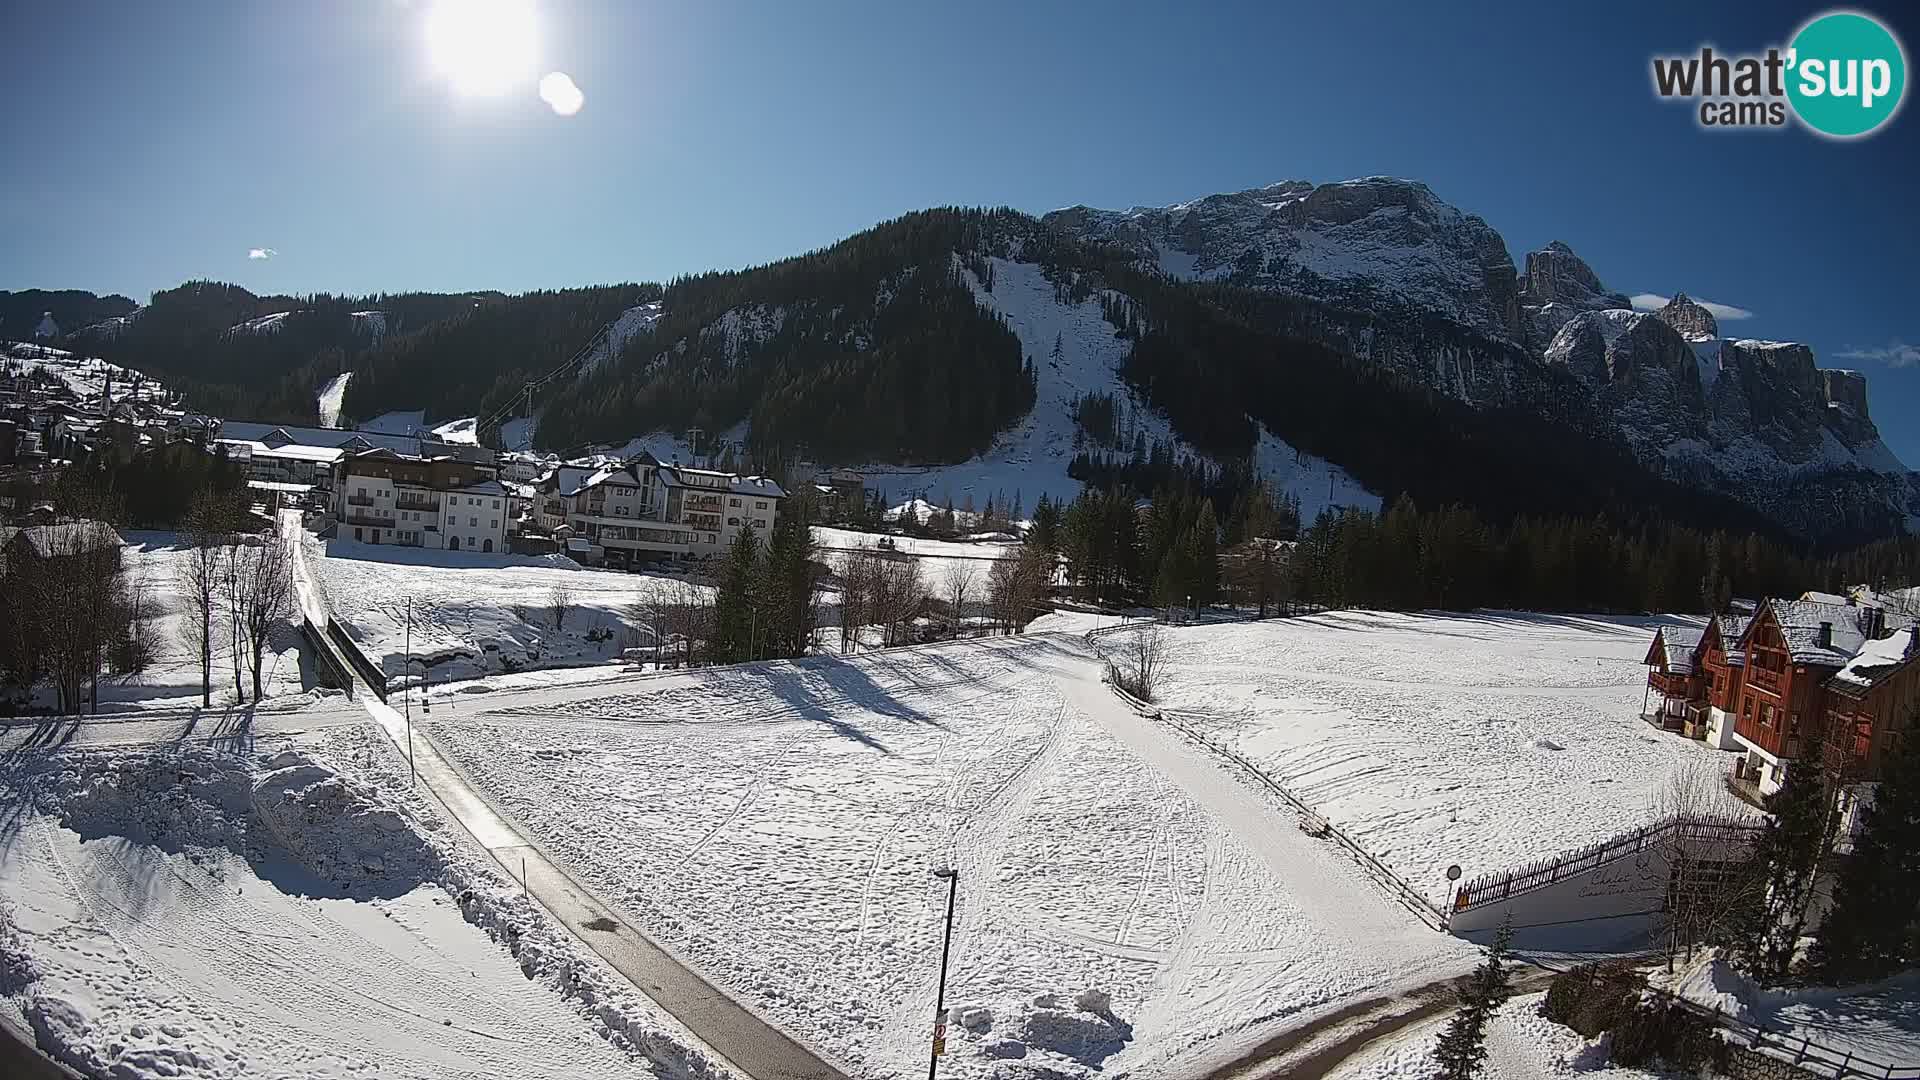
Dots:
pixel 1375 244
pixel 1694 322
pixel 1556 288
pixel 1847 389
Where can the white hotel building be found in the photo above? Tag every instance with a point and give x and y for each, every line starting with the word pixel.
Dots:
pixel 642 510
pixel 384 497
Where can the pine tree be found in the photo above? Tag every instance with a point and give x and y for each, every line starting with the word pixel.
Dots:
pixel 734 603
pixel 1796 839
pixel 1873 929
pixel 1463 1046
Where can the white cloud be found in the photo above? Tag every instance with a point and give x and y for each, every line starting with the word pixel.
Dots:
pixel 1893 354
pixel 1647 301
pixel 261 253
pixel 558 90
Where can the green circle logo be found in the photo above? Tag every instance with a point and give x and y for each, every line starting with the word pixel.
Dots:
pixel 1847 74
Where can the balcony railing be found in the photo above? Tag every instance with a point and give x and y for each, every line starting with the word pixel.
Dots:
pixel 1765 678
pixel 359 500
pixel 415 503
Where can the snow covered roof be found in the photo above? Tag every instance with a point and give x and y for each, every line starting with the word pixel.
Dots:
pixel 1679 644
pixel 288 451
pixel 332 437
pixel 71 538
pixel 1733 631
pixel 1877 660
pixel 1814 596
pixel 757 486
pixel 483 487
pixel 1800 622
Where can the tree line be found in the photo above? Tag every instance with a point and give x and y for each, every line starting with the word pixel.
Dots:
pixel 874 348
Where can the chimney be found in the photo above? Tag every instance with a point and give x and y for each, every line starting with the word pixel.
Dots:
pixel 1825 640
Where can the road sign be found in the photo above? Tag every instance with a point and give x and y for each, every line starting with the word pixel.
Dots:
pixel 1453 872
pixel 939 1038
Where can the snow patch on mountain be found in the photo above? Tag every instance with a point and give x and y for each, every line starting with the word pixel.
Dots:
pixel 632 321
pixel 1031 458
pixel 330 397
pixel 265 324
pixel 464 430
pixel 372 323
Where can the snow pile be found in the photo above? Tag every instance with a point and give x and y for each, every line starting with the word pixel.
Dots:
pixel 1879 1021
pixel 178 913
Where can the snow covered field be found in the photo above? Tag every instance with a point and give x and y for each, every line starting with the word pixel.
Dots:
pixel 174 912
pixel 475 614
pixel 1123 906
pixel 1485 739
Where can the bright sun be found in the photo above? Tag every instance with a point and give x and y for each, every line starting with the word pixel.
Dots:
pixel 482 47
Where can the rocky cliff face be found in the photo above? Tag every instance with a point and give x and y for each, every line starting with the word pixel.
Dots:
pixel 1377 243
pixel 1556 288
pixel 1373 261
pixel 1694 322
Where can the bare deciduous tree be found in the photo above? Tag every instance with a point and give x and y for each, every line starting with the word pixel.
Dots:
pixel 1143 661
pixel 959 580
pixel 559 602
pixel 685 610
pixel 198 578
pixel 1711 879
pixel 263 578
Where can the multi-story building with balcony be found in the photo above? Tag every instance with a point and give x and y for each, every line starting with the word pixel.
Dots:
pixel 384 497
pixel 643 510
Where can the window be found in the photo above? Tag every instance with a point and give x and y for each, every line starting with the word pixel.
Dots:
pixel 473 523
pixel 760 504
pixel 1766 716
pixel 760 523
pixel 496 504
pixel 452 521
pixel 733 521
pixel 733 502
pixel 362 492
pixel 493 524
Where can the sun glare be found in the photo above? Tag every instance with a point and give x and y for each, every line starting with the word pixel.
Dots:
pixel 482 47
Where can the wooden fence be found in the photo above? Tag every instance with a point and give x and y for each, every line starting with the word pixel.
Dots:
pixel 369 671
pixel 1544 872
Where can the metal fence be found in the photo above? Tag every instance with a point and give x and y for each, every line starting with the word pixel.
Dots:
pixel 1544 872
pixel 1311 821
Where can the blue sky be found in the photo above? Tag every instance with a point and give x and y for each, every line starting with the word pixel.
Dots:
pixel 166 140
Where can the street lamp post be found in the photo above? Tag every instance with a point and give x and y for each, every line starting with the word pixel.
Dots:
pixel 940 997
pixel 413 774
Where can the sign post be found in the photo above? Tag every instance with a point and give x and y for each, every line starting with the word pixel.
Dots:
pixel 940 997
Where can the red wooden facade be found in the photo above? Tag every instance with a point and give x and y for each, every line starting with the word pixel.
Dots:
pixel 1866 721
pixel 1779 697
pixel 1721 668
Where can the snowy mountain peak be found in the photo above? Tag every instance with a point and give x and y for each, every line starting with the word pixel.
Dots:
pixel 1372 242
pixel 1694 322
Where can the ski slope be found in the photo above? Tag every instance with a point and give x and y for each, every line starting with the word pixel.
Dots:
pixel 1124 907
pixel 1485 739
pixel 330 398
pixel 1032 457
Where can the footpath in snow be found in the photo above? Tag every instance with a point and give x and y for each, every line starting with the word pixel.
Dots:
pixel 1125 906
pixel 1487 739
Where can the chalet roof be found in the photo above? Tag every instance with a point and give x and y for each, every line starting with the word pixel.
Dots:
pixel 282 434
pixel 1679 644
pixel 70 538
pixel 1876 661
pixel 1733 636
pixel 286 451
pixel 1800 622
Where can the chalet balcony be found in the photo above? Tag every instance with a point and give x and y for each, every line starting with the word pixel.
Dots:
pixel 368 519
pixel 1766 679
pixel 702 502
pixel 415 502
pixel 359 500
